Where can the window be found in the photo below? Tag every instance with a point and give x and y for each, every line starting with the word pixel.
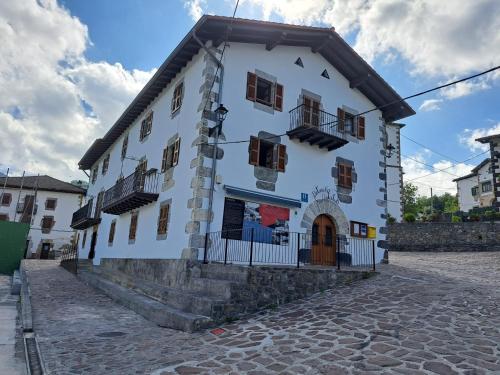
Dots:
pixel 98 205
pixel 133 226
pixel 84 239
pixel 351 124
pixel 177 97
pixel 311 111
pixel 359 229
pixel 105 164
pixel 94 174
pixel 124 147
pixel 475 190
pixel 163 219
pixel 486 187
pixel 112 228
pixel 266 154
pixel 47 224
pixel 6 199
pixel 344 175
pixel 171 155
pixel 4 217
pixel 264 91
pixel 146 126
pixel 50 204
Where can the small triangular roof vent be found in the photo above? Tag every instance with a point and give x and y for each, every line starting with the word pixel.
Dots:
pixel 299 62
pixel 325 74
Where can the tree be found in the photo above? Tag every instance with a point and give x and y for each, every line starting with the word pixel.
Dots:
pixel 409 198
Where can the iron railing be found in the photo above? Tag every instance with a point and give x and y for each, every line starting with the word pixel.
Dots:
pixel 69 259
pixel 251 246
pixel 137 182
pixel 307 116
pixel 86 212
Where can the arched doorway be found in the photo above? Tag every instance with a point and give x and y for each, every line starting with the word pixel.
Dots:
pixel 323 241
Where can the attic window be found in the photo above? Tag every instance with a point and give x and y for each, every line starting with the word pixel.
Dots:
pixel 299 62
pixel 325 74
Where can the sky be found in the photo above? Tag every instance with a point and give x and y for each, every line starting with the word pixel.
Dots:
pixel 69 68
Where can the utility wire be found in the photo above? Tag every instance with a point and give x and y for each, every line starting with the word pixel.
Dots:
pixel 431 166
pixel 428 148
pixel 382 106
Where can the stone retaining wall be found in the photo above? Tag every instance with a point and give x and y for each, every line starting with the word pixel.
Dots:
pixel 470 236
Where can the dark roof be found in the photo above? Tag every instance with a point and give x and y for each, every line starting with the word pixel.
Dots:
pixel 44 183
pixel 324 41
pixel 474 170
pixel 488 138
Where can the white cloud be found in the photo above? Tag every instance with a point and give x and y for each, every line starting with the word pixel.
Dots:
pixel 441 182
pixel 430 105
pixel 195 8
pixel 465 88
pixel 44 79
pixel 468 137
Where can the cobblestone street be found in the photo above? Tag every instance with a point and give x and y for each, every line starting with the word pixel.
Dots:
pixel 424 313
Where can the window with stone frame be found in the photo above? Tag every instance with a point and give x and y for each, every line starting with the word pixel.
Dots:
pixel 124 147
pixel 163 219
pixel 50 204
pixel 47 224
pixel 267 154
pixel 265 92
pixel 177 97
pixel 359 229
pixel 93 177
pixel 170 156
pixel 132 232
pixel 4 217
pixel 105 164
pixel 344 175
pixel 146 126
pixel 6 199
pixel 112 229
pixel 351 124
pixel 475 190
pixel 486 187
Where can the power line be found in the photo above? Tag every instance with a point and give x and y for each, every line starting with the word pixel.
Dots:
pixel 431 166
pixel 382 106
pixel 428 148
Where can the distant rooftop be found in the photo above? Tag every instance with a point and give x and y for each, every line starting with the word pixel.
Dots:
pixel 44 182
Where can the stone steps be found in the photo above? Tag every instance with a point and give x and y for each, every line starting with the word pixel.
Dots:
pixel 192 301
pixel 160 313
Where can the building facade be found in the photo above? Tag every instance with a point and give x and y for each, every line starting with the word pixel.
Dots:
pixel 47 204
pixel 494 143
pixel 394 171
pixel 296 153
pixel 475 190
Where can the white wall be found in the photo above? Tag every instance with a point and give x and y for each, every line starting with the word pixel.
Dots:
pixel 466 200
pixel 394 172
pixel 61 234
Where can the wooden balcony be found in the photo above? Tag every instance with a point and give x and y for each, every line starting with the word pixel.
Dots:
pixel 134 191
pixel 318 128
pixel 86 216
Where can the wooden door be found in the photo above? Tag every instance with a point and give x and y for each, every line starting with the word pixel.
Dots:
pixel 311 112
pixel 92 245
pixel 323 241
pixel 44 253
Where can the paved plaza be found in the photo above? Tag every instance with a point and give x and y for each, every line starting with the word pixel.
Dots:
pixel 433 313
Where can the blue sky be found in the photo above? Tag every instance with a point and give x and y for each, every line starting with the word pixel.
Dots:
pixel 100 54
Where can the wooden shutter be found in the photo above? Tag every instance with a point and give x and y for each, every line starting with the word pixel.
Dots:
pixel 133 226
pixel 361 127
pixel 340 119
pixel 124 146
pixel 344 176
pixel 348 178
pixel 175 155
pixel 164 160
pixel 163 219
pixel 251 86
pixel 307 111
pixel 281 158
pixel 315 113
pixel 278 98
pixel 112 232
pixel 254 151
pixel 341 175
pixel 6 199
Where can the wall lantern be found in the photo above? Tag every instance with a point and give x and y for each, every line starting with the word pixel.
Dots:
pixel 389 150
pixel 221 113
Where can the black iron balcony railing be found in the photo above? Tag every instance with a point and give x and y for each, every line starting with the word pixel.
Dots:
pixel 132 192
pixel 265 246
pixel 86 216
pixel 317 127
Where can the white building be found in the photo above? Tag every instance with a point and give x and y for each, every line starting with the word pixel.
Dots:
pixel 47 204
pixel 476 189
pixel 394 172
pixel 294 155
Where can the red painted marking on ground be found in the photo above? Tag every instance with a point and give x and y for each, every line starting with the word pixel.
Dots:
pixel 217 331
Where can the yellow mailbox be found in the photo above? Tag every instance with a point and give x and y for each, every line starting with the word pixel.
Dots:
pixel 372 232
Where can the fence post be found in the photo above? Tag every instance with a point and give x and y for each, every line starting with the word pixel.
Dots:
pixel 205 255
pixel 298 250
pixel 251 246
pixel 338 253
pixel 373 254
pixel 225 252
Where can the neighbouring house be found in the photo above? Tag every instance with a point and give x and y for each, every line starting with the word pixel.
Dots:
pixel 476 189
pixel 297 158
pixel 47 204
pixel 494 142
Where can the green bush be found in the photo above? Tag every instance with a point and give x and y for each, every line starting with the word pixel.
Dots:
pixel 474 217
pixel 390 219
pixel 409 217
pixel 456 219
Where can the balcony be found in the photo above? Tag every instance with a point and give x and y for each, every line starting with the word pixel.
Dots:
pixel 318 128
pixel 132 192
pixel 86 216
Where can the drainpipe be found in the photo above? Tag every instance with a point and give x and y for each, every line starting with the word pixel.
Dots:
pixel 218 129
